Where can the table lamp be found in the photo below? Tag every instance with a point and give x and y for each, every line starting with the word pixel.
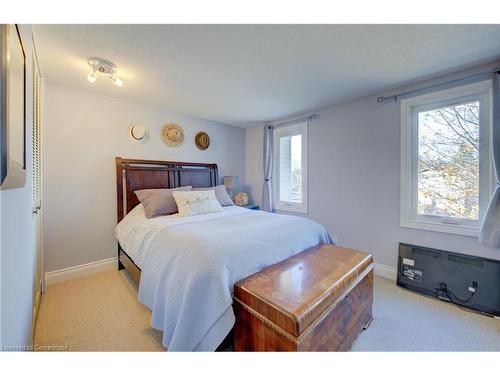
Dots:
pixel 230 182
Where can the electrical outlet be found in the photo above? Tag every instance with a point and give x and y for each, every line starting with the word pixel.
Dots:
pixel 473 287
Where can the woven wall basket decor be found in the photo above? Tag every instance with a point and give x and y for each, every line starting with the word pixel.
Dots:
pixel 172 135
pixel 202 140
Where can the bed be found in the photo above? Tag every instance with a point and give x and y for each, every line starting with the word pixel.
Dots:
pixel 187 266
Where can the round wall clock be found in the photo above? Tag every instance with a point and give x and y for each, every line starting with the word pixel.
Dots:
pixel 172 135
pixel 202 140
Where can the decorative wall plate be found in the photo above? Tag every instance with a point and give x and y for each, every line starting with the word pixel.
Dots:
pixel 172 135
pixel 138 131
pixel 202 140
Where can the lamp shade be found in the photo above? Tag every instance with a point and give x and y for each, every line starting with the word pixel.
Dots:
pixel 230 182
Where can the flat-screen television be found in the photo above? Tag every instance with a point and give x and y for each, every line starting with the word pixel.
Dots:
pixel 465 280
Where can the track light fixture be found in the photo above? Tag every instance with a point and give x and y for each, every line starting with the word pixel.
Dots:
pixel 103 66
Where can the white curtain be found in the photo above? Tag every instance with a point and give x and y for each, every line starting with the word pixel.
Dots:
pixel 267 192
pixel 490 228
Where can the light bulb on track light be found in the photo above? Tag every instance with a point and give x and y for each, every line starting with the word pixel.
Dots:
pixel 117 81
pixel 91 77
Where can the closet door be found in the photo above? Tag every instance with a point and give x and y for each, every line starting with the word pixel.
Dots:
pixel 37 190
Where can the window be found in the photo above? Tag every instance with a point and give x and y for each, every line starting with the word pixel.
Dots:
pixel 446 168
pixel 290 172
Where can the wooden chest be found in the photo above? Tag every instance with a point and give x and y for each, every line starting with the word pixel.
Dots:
pixel 318 300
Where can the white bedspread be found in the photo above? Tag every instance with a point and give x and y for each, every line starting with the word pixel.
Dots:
pixel 190 264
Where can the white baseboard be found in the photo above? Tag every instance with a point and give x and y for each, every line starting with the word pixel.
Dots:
pixel 385 271
pixel 70 273
pixel 65 274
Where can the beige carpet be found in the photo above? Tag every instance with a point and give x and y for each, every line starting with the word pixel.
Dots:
pixel 95 313
pixel 101 313
pixel 407 321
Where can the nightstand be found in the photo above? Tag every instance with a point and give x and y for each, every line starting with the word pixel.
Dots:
pixel 251 206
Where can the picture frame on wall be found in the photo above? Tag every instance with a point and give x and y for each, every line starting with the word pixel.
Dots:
pixel 12 108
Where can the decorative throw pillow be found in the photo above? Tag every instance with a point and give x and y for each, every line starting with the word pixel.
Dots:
pixel 220 193
pixel 159 201
pixel 192 203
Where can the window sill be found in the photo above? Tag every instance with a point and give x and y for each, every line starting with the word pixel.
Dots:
pixel 462 230
pixel 286 208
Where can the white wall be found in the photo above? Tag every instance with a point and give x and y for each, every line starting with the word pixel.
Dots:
pixel 17 253
pixel 82 134
pixel 354 178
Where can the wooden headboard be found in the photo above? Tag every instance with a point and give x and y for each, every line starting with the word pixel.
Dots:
pixel 136 174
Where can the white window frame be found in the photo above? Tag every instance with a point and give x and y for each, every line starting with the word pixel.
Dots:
pixel 283 131
pixel 410 107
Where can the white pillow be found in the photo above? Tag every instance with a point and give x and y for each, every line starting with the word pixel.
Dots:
pixel 199 202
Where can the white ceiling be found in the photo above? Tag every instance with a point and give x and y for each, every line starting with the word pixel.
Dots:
pixel 239 74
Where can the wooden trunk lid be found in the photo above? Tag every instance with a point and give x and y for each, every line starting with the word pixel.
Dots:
pixel 294 293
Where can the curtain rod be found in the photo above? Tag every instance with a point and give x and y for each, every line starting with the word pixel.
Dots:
pixel 471 78
pixel 314 116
